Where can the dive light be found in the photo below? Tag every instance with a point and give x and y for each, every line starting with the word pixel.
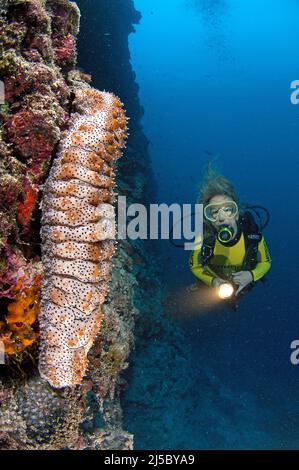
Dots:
pixel 225 290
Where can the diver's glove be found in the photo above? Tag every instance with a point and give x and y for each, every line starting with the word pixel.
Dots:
pixel 242 279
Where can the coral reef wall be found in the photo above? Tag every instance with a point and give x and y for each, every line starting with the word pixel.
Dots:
pixel 37 53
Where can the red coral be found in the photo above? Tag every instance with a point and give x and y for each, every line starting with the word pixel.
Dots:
pixel 65 48
pixel 26 208
pixel 34 137
pixel 27 77
pixel 15 86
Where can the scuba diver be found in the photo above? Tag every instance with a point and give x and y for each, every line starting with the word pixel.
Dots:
pixel 233 255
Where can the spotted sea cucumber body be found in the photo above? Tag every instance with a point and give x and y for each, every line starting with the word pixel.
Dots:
pixel 78 231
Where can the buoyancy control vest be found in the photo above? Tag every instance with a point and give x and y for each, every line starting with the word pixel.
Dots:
pixel 252 238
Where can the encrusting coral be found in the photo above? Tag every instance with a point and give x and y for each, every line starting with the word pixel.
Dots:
pixel 35 416
pixel 78 232
pixel 19 330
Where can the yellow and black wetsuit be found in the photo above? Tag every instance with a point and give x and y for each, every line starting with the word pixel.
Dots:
pixel 229 259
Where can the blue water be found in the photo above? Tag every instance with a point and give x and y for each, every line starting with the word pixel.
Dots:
pixel 215 79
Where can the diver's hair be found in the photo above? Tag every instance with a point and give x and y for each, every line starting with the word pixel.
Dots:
pixel 213 184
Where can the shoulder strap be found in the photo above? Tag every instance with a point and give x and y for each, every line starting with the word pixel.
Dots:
pixel 252 237
pixel 207 249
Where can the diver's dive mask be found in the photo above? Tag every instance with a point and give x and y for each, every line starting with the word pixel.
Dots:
pixel 211 211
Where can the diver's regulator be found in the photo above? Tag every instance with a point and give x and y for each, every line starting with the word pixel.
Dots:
pixel 225 233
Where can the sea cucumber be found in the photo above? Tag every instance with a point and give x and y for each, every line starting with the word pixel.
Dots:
pixel 78 235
